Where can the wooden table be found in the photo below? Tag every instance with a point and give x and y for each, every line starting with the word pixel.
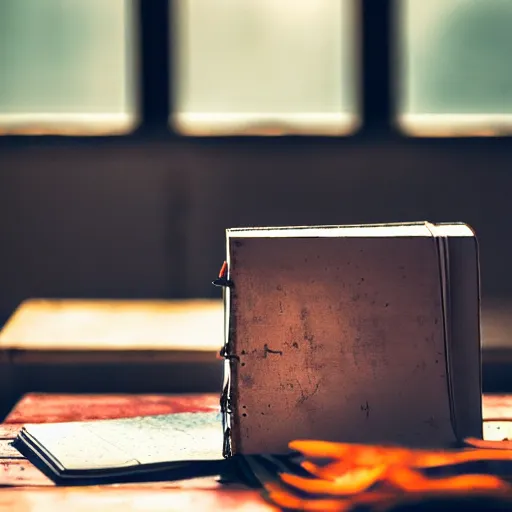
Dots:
pixel 111 346
pixel 26 489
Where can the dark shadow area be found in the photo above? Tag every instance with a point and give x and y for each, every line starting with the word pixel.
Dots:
pixel 152 378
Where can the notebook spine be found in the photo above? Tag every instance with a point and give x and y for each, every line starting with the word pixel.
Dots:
pixel 442 249
pixel 228 356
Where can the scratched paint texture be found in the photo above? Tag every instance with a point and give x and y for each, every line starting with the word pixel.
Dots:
pixel 339 339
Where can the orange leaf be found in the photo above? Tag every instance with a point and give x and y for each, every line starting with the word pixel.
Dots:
pixel 412 481
pixel 489 445
pixel 350 482
pixel 366 455
pixel 321 449
pixel 427 460
pixel 287 500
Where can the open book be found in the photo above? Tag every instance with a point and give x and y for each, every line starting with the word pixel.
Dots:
pixel 103 450
pixel 365 334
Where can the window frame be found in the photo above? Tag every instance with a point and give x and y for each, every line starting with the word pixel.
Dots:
pixel 377 80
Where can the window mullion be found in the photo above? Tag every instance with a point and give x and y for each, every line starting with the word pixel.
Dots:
pixel 376 63
pixel 154 62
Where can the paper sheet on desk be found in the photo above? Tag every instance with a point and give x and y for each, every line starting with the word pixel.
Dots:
pixel 124 446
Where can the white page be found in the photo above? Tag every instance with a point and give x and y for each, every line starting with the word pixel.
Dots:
pixel 132 441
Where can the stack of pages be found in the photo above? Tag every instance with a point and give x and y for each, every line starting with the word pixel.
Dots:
pixel 126 449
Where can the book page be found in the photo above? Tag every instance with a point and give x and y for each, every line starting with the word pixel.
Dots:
pixel 126 442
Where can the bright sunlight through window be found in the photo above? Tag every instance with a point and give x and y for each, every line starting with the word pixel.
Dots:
pixel 265 67
pixel 67 66
pixel 456 77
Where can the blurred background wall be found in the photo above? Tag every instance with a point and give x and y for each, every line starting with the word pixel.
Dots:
pixel 144 216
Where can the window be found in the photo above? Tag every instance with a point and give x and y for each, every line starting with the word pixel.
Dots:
pixel 456 77
pixel 255 67
pixel 67 66
pixel 265 67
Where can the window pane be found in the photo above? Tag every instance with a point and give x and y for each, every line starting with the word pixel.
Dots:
pixel 456 77
pixel 265 67
pixel 67 66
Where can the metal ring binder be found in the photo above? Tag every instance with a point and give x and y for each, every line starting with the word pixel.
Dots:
pixel 225 398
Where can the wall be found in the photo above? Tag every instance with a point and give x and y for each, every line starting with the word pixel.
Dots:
pixel 146 219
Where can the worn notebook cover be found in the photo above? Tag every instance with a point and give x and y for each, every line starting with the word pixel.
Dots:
pixel 106 449
pixel 350 336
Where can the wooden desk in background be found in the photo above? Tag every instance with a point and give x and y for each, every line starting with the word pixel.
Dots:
pixel 111 346
pixel 147 346
pixel 27 489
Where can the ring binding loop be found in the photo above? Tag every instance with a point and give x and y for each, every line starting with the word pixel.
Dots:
pixel 225 398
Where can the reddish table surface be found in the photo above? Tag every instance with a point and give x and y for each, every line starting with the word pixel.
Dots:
pixel 25 488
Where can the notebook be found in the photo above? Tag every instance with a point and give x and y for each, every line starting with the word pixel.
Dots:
pixel 365 334
pixel 103 450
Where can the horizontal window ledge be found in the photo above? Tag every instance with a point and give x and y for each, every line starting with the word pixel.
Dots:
pixel 265 124
pixel 455 125
pixel 67 124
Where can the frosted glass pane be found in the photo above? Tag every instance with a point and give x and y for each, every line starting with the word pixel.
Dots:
pixel 456 77
pixel 67 66
pixel 265 67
